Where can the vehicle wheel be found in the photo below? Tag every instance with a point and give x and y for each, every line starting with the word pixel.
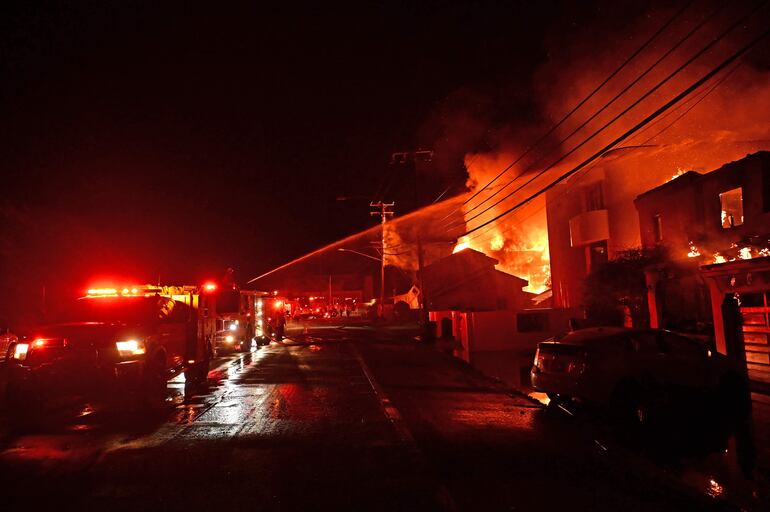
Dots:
pixel 26 406
pixel 154 389
pixel 734 397
pixel 197 373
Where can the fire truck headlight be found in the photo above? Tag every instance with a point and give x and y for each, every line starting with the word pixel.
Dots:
pixel 20 351
pixel 233 327
pixel 229 338
pixel 130 348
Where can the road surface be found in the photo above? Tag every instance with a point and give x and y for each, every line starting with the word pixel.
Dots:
pixel 333 420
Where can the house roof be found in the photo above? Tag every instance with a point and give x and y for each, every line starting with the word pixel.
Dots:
pixel 466 257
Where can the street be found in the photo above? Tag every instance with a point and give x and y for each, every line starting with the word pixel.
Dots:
pixel 333 419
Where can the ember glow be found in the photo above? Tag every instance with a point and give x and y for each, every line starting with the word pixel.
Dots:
pixel 678 173
pixel 734 253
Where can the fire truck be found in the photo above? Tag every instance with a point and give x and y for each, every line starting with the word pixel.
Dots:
pixel 271 317
pixel 116 342
pixel 236 320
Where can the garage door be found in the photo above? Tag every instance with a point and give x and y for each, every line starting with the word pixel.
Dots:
pixel 755 310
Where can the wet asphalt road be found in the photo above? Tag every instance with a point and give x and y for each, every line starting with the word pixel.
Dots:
pixel 332 420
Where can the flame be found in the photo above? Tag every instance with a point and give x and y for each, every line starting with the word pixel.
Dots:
pixel 497 242
pixel 743 253
pixel 462 244
pixel 694 252
pixel 518 241
pixel 679 172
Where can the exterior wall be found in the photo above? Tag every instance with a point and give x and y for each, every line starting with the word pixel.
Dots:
pixel 624 174
pixel 690 208
pixel 496 342
pixel 569 264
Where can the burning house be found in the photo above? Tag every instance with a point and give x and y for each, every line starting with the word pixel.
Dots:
pixel 713 233
pixel 591 217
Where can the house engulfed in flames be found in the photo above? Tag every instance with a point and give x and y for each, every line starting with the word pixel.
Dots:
pixel 519 242
pixel 714 229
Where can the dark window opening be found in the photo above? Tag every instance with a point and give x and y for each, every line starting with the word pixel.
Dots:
pixel 597 256
pixel 532 322
pixel 594 197
pixel 732 207
pixel 657 227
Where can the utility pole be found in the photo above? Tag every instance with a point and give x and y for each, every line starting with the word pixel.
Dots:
pixel 384 212
pixel 402 158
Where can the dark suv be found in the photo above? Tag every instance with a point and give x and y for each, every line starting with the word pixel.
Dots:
pixel 104 346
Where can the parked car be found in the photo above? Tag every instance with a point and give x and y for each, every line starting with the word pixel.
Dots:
pixel 635 372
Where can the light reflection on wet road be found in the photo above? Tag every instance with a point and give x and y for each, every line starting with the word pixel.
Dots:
pixel 305 425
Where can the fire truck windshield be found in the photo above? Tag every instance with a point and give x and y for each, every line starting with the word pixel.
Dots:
pixel 128 310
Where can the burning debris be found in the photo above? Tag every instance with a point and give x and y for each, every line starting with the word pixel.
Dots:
pixel 736 251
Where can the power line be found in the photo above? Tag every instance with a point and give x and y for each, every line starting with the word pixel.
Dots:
pixel 603 108
pixel 703 97
pixel 698 98
pixel 627 109
pixel 579 105
pixel 684 105
pixel 635 128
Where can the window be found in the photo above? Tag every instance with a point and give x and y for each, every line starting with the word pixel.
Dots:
pixel 180 314
pixel 681 346
pixel 594 197
pixel 645 343
pixel 596 256
pixel 657 227
pixel 532 322
pixel 732 207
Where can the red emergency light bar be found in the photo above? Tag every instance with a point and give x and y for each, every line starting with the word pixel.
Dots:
pixel 49 343
pixel 209 286
pixel 134 291
pixel 102 291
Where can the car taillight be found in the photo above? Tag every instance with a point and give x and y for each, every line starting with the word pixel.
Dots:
pixel 20 351
pixel 130 348
pixel 538 360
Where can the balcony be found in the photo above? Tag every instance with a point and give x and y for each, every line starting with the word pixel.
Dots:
pixel 589 227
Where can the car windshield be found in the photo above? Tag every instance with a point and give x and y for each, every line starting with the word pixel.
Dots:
pixel 110 310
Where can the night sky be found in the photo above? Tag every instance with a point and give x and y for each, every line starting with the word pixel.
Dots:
pixel 147 138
